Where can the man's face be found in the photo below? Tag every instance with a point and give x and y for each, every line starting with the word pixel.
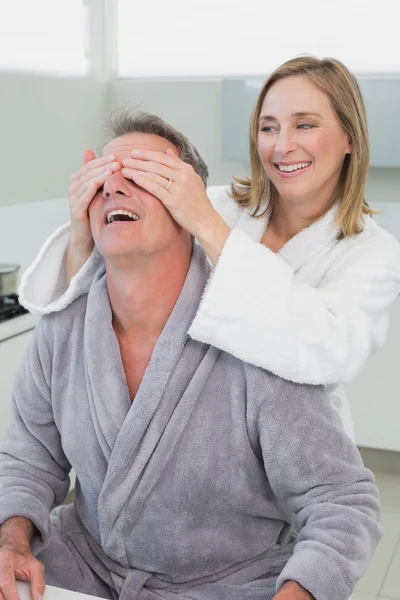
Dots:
pixel 154 230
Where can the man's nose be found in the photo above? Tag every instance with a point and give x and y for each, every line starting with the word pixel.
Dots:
pixel 116 185
pixel 285 142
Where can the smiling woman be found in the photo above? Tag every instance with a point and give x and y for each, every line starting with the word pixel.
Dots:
pixel 308 119
pixel 303 276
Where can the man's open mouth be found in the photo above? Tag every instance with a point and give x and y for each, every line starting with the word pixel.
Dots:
pixel 121 215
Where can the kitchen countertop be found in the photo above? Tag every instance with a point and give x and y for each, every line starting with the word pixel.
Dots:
pixel 17 325
pixel 52 593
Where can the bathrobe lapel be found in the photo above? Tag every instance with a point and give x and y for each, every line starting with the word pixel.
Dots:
pixel 169 380
pixel 303 247
pixel 107 389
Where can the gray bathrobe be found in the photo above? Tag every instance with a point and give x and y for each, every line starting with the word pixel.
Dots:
pixel 191 491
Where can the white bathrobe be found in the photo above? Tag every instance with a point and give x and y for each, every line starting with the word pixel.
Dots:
pixel 312 313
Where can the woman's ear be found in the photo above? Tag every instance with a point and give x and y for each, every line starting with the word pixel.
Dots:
pixel 349 146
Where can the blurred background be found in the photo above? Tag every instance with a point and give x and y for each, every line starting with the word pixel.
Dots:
pixel 65 64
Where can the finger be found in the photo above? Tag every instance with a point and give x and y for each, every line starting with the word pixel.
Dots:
pixel 159 191
pixel 8 586
pixel 133 174
pixel 94 164
pixel 98 177
pixel 149 166
pixel 88 195
pixel 38 585
pixel 80 203
pixel 89 172
pixel 88 155
pixel 174 162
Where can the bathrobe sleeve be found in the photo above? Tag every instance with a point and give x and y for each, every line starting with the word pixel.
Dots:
pixel 316 472
pixel 34 472
pixel 43 288
pixel 254 309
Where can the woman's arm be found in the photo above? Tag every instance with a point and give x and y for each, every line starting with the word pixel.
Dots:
pixel 254 309
pixel 48 284
pixel 44 287
pixel 64 267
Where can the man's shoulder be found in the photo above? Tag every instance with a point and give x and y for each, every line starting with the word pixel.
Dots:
pixel 272 392
pixel 61 323
pixel 371 250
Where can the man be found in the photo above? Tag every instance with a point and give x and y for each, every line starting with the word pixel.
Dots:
pixel 191 465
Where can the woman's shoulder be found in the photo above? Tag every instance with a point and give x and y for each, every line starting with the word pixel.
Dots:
pixel 373 237
pixel 373 246
pixel 225 206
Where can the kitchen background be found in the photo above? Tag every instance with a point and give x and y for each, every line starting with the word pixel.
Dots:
pixel 65 64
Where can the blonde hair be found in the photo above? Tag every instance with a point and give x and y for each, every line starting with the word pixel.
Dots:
pixel 259 194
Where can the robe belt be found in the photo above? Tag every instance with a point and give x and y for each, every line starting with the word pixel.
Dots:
pixel 133 583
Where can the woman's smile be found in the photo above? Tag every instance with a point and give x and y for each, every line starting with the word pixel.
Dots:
pixel 290 170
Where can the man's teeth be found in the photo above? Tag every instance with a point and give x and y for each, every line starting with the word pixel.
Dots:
pixel 114 214
pixel 288 168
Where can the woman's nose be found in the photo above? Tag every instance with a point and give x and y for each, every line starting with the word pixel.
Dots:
pixel 285 142
pixel 116 184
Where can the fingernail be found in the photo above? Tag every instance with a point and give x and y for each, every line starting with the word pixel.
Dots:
pixel 135 152
pixel 114 165
pixel 111 157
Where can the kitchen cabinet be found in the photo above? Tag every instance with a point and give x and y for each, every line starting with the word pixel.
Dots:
pixel 12 351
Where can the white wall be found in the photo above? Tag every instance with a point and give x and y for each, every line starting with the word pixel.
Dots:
pixel 193 107
pixel 45 123
pixel 24 227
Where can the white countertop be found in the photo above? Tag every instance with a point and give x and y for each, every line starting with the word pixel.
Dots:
pixel 17 325
pixel 52 593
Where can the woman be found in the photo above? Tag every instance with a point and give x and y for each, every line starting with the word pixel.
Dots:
pixel 303 277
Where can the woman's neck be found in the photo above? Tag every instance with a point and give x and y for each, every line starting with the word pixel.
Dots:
pixel 288 219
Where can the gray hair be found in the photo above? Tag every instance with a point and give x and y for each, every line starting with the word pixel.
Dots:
pixel 129 120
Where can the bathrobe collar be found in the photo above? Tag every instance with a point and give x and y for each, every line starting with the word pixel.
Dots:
pixel 107 388
pixel 302 247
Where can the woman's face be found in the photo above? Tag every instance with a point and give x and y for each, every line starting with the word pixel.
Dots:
pixel 301 142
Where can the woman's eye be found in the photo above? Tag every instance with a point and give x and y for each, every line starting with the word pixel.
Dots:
pixel 267 128
pixel 305 126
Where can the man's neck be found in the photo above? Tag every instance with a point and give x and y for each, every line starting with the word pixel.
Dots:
pixel 143 292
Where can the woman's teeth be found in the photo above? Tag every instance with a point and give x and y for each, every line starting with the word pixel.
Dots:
pixel 289 168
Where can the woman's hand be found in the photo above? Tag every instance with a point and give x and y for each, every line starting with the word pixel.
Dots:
pixel 82 189
pixel 182 191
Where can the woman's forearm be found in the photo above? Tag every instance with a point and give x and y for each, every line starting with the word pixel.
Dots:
pixel 213 236
pixel 77 255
